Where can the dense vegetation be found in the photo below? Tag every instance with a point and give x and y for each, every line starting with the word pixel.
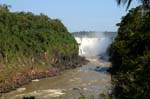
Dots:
pixel 28 40
pixel 130 56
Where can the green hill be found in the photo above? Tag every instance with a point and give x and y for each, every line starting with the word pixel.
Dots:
pixel 28 40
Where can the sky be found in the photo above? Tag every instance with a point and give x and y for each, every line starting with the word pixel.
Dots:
pixel 76 15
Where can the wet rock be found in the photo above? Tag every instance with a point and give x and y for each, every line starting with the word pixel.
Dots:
pixel 84 88
pixel 76 89
pixel 97 67
pixel 31 97
pixel 21 89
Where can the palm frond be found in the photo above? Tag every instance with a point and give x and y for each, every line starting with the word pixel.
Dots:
pixel 128 5
pixel 128 2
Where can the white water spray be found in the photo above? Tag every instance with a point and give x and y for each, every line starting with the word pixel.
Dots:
pixel 94 46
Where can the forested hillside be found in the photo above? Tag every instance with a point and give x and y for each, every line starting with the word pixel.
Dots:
pixel 130 56
pixel 28 40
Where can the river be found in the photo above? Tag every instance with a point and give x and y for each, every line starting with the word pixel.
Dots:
pixel 90 79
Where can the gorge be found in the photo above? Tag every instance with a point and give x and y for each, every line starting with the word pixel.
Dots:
pixel 90 79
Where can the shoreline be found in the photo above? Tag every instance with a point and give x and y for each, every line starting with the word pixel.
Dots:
pixel 20 79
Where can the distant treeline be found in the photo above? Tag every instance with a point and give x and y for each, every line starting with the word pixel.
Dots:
pixel 94 34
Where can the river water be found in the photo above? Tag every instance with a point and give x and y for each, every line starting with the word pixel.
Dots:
pixel 90 79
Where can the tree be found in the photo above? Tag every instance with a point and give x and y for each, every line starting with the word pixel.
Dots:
pixel 4 7
pixel 130 54
pixel 146 3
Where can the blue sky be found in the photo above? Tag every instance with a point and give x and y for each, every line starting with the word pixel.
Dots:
pixel 77 15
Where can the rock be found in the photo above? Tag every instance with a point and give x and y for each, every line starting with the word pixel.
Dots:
pixel 31 97
pixel 76 89
pixel 21 89
pixel 35 80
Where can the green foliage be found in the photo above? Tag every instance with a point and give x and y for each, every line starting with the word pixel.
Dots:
pixel 130 56
pixel 27 39
pixel 145 3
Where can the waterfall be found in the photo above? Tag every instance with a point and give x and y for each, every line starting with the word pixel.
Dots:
pixel 94 46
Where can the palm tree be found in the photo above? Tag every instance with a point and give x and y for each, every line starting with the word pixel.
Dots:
pixel 145 3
